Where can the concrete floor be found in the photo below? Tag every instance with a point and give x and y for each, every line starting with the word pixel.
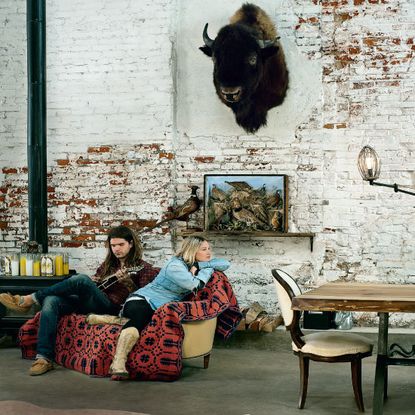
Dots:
pixel 253 374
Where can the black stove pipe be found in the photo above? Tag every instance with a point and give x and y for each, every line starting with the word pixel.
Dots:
pixel 36 121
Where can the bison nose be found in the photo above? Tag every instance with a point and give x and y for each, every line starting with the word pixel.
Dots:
pixel 231 94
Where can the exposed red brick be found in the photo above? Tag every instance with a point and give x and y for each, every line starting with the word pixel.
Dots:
pixel 71 244
pixel 83 237
pixel 101 149
pixel 9 170
pixel 93 223
pixel 252 151
pixel 86 161
pixel 329 126
pixel 354 50
pixel 168 156
pixel 3 225
pixel 206 159
pixel 118 182
pixel 62 162
pixel 67 230
pixel 358 2
pixel 89 202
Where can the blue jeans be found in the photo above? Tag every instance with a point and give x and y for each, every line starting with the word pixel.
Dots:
pixel 75 294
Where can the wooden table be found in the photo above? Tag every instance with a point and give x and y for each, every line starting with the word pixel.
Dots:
pixel 380 298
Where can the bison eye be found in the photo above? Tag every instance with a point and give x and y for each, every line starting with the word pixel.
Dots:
pixel 252 60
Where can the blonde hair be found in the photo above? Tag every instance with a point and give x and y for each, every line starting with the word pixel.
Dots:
pixel 189 249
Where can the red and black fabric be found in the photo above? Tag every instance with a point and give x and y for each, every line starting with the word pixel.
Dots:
pixel 158 353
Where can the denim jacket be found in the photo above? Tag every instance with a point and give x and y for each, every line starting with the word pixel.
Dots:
pixel 175 281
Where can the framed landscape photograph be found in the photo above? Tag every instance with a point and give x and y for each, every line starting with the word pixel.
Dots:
pixel 246 203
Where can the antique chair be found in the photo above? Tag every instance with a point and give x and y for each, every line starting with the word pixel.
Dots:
pixel 330 347
pixel 198 339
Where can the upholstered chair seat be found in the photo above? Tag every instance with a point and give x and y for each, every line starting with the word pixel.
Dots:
pixel 332 344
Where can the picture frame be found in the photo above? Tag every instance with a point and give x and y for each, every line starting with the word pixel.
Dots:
pixel 249 203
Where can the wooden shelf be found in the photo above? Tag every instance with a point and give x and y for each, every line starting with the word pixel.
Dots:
pixel 238 234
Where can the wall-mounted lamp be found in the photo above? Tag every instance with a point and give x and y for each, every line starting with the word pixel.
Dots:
pixel 368 163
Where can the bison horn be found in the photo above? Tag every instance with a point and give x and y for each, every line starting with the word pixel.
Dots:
pixel 208 41
pixel 265 43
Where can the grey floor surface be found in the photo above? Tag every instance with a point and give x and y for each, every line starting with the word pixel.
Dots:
pixel 255 375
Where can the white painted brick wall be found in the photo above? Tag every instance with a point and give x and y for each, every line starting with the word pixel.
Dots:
pixel 128 75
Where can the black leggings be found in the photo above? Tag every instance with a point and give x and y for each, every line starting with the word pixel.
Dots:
pixel 139 312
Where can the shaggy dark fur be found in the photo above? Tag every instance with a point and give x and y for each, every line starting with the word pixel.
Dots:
pixel 250 74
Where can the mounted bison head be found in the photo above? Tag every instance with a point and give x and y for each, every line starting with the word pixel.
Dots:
pixel 250 74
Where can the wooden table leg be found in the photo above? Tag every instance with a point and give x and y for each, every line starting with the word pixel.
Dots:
pixel 381 374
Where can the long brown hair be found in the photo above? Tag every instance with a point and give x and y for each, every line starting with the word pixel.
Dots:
pixel 133 257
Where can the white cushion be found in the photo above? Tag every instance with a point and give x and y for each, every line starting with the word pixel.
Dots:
pixel 332 344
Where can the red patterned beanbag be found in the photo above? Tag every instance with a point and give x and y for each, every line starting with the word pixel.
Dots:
pixel 158 353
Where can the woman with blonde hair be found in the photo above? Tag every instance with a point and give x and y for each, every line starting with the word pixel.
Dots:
pixel 188 271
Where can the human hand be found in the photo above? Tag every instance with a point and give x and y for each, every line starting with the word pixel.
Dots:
pixel 95 278
pixel 121 274
pixel 193 270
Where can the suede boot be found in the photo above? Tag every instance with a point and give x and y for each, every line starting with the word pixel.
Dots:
pixel 126 341
pixel 105 319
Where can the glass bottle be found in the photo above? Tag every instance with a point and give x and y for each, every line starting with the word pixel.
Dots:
pixel 65 264
pixel 36 265
pixel 15 265
pixel 46 266
pixel 23 265
pixel 29 264
pixel 58 265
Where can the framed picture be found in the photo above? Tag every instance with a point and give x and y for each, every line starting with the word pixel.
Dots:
pixel 246 203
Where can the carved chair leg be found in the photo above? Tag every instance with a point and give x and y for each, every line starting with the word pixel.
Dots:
pixel 304 369
pixel 206 361
pixel 357 383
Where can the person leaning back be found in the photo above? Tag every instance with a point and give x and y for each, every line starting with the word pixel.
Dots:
pixel 122 272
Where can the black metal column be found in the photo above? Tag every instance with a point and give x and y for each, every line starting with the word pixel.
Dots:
pixel 36 121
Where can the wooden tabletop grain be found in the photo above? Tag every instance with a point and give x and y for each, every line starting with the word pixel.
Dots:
pixel 358 297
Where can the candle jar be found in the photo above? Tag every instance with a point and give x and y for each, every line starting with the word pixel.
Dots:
pixel 22 264
pixel 29 264
pixel 5 266
pixel 46 266
pixel 36 265
pixel 59 265
pixel 65 264
pixel 15 265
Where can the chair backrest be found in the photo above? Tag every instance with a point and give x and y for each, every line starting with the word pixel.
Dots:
pixel 287 288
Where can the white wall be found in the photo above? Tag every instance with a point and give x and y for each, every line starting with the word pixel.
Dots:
pixel 133 120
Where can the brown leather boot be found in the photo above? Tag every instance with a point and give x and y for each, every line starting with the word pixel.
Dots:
pixel 14 302
pixel 126 341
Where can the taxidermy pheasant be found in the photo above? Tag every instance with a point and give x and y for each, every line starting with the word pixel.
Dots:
pixel 182 212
